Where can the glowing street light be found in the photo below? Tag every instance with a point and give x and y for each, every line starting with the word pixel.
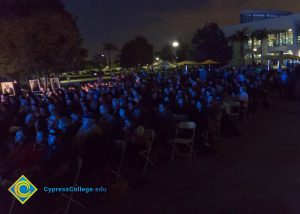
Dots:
pixel 157 58
pixel 175 44
pixel 255 49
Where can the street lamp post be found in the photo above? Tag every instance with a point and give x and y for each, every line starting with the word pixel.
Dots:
pixel 175 45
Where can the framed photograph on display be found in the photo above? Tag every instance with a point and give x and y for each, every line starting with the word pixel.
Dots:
pixel 55 84
pixel 35 85
pixel 8 88
pixel 43 83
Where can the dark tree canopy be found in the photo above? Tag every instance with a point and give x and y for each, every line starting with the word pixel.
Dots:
pixel 211 43
pixel 167 53
pixel 108 48
pixel 41 38
pixel 137 52
pixel 182 52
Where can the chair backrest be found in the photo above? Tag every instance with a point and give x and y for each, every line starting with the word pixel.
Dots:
pixel 149 134
pixel 235 107
pixel 187 125
pixel 186 130
pixel 181 117
pixel 121 146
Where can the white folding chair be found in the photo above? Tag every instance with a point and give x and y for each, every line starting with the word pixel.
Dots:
pixel 120 145
pixel 235 110
pixel 181 117
pixel 12 206
pixel 70 197
pixel 187 141
pixel 149 135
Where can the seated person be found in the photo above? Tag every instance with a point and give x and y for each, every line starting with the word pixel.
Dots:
pixel 18 156
pixel 55 162
pixel 166 125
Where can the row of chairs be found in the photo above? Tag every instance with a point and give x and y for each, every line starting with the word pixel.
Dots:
pixel 149 136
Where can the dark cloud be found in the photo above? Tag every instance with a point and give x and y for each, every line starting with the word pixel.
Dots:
pixel 160 21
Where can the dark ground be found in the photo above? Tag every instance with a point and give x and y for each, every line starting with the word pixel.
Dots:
pixel 258 172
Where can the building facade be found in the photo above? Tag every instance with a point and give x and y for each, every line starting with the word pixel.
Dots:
pixel 263 34
pixel 259 15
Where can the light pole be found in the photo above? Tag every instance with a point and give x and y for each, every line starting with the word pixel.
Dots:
pixel 175 45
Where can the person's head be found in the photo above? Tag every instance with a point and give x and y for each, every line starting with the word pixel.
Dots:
pixel 128 124
pixel 43 111
pixel 29 119
pixel 115 103
pixel 75 118
pixel 167 99
pixel 103 109
pixel 52 122
pixel 23 101
pixel 69 102
pixel 20 136
pixel 52 139
pixel 207 93
pixel 161 108
pixel 166 91
pixel 51 108
pixel 130 105
pixel 33 108
pixel 122 102
pixel 87 122
pixel 63 124
pixel 180 102
pixel 40 137
pixel 122 113
pixel 242 89
pixel 199 106
pixel 136 113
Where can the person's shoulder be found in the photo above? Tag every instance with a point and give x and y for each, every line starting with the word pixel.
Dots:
pixel 97 129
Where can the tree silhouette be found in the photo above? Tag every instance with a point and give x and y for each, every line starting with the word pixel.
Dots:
pixel 260 35
pixel 241 37
pixel 39 36
pixel 137 52
pixel 109 48
pixel 166 53
pixel 211 43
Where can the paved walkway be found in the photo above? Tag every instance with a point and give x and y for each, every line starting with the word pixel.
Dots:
pixel 258 172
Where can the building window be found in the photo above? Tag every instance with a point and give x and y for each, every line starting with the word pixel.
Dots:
pixel 280 39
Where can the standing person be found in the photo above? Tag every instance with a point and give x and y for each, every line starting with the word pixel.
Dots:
pixel 17 87
pixel 284 82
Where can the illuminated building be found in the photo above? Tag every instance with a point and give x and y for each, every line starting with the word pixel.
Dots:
pixel 264 33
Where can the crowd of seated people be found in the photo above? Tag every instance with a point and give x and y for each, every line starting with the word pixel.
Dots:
pixel 53 129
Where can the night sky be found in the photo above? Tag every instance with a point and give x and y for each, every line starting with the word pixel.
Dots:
pixel 160 21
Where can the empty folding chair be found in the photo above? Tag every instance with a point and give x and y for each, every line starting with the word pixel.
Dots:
pixel 120 146
pixel 235 110
pixel 181 117
pixel 149 135
pixel 187 141
pixel 70 197
pixel 12 205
